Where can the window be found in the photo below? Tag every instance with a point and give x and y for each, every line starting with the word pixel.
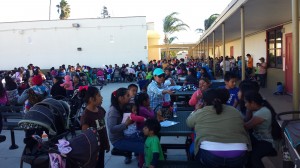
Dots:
pixel 274 48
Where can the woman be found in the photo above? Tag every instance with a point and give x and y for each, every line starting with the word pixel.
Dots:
pixel 156 89
pixel 119 99
pixel 191 77
pixel 262 72
pixel 3 96
pixel 76 82
pixel 260 118
pixel 221 140
pixel 11 90
pixel 35 93
pixel 57 91
pixel 243 87
pixel 196 99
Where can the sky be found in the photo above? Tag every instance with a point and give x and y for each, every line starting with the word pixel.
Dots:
pixel 191 12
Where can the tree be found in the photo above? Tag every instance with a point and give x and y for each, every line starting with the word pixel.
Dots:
pixel 104 13
pixel 172 24
pixel 64 10
pixel 199 30
pixel 208 22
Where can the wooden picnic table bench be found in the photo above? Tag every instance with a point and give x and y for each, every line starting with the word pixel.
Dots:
pixel 10 116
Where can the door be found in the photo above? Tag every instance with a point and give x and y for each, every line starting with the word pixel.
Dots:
pixel 231 51
pixel 289 63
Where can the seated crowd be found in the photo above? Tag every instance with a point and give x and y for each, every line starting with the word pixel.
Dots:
pixel 233 125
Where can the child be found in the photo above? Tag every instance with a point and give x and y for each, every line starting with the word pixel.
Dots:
pixel 230 82
pixel 68 85
pixel 132 92
pixel 93 116
pixel 131 131
pixel 153 150
pixel 279 90
pixel 143 108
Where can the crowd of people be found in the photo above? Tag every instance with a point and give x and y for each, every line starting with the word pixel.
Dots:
pixel 234 126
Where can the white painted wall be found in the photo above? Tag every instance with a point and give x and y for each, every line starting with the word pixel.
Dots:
pixel 53 43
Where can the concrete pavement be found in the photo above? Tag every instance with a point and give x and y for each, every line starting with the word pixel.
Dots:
pixel 11 158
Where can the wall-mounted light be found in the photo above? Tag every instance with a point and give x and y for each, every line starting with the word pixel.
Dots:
pixel 76 25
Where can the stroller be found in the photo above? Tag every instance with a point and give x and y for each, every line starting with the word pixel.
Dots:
pixel 291 140
pixel 77 107
pixel 51 116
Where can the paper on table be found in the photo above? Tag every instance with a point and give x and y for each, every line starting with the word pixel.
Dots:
pixel 168 123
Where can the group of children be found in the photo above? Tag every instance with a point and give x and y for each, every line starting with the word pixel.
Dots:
pixel 145 125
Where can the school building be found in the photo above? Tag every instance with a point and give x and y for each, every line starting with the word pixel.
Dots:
pixel 268 28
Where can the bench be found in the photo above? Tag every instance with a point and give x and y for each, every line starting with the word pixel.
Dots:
pixel 178 164
pixel 117 152
pixel 9 115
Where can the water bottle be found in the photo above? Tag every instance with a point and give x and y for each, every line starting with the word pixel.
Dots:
pixel 174 109
pixel 44 137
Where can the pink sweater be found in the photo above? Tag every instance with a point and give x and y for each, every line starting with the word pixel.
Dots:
pixel 137 118
pixel 193 101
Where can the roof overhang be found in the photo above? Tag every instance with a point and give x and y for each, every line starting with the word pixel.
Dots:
pixel 259 15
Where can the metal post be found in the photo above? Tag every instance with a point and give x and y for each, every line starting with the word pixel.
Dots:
pixel 243 43
pixel 295 28
pixel 50 10
pixel 223 41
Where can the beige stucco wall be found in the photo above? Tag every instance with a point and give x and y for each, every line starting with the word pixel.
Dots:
pixel 153 39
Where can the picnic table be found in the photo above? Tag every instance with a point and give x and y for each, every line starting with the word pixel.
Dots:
pixel 180 129
pixel 10 116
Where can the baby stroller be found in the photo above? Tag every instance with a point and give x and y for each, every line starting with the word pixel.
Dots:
pixel 291 140
pixel 77 107
pixel 51 116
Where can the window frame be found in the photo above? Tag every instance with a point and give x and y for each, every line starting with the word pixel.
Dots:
pixel 275 48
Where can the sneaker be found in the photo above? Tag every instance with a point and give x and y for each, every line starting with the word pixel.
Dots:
pixel 2 138
pixel 127 160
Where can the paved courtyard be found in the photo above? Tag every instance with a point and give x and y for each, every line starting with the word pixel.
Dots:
pixel 11 158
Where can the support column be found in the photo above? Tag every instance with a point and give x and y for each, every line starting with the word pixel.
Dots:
pixel 295 30
pixel 199 50
pixel 213 52
pixel 203 43
pixel 207 47
pixel 243 43
pixel 223 42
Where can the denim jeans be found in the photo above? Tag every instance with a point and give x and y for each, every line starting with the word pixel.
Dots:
pixel 130 144
pixel 210 160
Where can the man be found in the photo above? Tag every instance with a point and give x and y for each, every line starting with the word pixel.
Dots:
pixel 249 65
pixel 156 89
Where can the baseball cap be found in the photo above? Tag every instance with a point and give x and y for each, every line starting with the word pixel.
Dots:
pixel 158 71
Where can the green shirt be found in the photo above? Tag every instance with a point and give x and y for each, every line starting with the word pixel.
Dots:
pixel 152 145
pixel 227 127
pixel 263 130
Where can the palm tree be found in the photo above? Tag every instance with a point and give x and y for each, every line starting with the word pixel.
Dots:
pixel 208 22
pixel 64 10
pixel 171 25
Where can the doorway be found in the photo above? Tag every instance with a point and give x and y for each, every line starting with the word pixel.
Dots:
pixel 289 63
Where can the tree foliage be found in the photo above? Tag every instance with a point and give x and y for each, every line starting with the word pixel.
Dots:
pixel 209 21
pixel 172 24
pixel 64 10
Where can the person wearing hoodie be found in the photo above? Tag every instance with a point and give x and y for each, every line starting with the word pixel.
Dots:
pixel 37 92
pixel 68 85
